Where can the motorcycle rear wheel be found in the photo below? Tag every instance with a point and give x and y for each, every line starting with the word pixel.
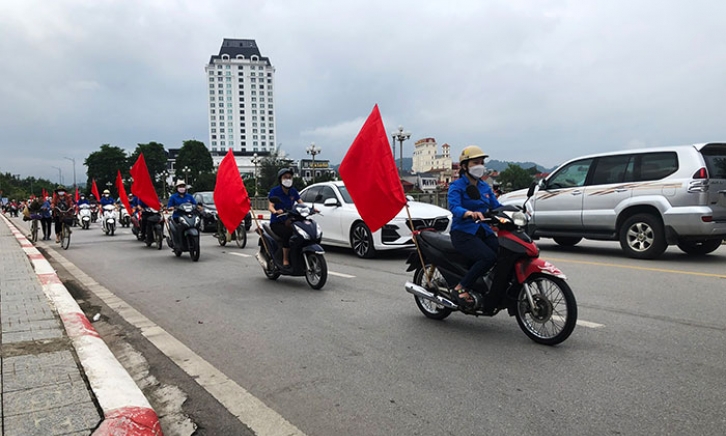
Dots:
pixel 555 314
pixel 429 308
pixel 317 274
pixel 271 272
pixel 240 236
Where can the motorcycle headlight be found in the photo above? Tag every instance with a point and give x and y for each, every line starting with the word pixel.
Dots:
pixel 519 219
pixel 318 231
pixel 302 233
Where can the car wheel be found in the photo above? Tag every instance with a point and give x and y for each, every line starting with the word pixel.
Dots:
pixel 699 248
pixel 567 241
pixel 642 237
pixel 361 241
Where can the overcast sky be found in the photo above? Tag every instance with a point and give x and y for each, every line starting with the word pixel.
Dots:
pixel 527 80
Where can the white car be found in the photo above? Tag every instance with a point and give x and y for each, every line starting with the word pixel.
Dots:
pixel 343 227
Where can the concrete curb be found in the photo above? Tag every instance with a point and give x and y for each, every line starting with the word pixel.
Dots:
pixel 125 408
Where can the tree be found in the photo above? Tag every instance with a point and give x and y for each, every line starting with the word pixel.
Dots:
pixel 155 157
pixel 269 166
pixel 103 165
pixel 195 156
pixel 514 177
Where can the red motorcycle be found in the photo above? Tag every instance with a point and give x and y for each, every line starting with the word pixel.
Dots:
pixel 531 289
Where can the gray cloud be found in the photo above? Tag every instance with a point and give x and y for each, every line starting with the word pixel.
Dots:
pixel 527 80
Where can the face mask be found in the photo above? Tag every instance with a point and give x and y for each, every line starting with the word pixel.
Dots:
pixel 61 193
pixel 287 182
pixel 477 171
pixel 182 190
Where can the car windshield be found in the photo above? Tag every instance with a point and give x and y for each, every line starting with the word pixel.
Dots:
pixel 207 198
pixel 344 193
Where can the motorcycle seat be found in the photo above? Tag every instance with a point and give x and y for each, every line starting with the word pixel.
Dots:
pixel 439 241
pixel 269 231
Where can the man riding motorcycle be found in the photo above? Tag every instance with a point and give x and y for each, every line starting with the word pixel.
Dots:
pixel 469 199
pixel 106 199
pixel 180 197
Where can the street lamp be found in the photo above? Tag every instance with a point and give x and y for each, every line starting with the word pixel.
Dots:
pixel 401 136
pixel 74 169
pixel 255 161
pixel 164 176
pixel 186 174
pixel 60 176
pixel 312 150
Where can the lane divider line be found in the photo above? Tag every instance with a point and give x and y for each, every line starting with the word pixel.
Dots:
pixel 641 268
pixel 332 273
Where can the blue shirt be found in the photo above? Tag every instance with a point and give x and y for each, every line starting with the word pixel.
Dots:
pixel 107 200
pixel 286 201
pixel 460 203
pixel 177 199
pixel 45 211
pixel 82 201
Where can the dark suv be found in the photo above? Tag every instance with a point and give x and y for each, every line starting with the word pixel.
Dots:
pixel 646 199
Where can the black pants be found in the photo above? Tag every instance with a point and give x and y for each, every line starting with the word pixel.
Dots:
pixel 480 248
pixel 283 231
pixel 58 224
pixel 45 225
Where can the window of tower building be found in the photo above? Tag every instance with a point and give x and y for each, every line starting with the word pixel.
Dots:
pixel 214 142
pixel 221 137
pixel 213 111
pixel 219 79
pixel 254 111
pixel 227 67
pixel 219 67
pixel 242 131
pixel 222 143
pixel 252 79
pixel 211 104
pixel 214 136
pixel 243 136
pixel 262 86
pixel 254 136
pixel 211 79
pixel 252 73
pixel 270 132
pixel 214 130
pixel 229 117
pixel 211 73
pixel 221 111
pixel 254 130
pixel 264 143
pixel 221 130
pixel 255 144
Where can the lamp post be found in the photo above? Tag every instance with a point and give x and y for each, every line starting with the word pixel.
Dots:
pixel 312 150
pixel 60 176
pixel 186 174
pixel 255 161
pixel 401 135
pixel 164 176
pixel 74 169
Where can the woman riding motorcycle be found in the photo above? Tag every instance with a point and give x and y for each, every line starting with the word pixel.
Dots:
pixel 469 199
pixel 286 196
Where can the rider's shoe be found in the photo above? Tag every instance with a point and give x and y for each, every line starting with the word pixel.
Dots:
pixel 463 298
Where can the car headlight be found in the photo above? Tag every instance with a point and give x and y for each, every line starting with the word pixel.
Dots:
pixel 519 219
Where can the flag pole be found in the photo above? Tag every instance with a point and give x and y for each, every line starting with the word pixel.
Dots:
pixel 418 249
pixel 259 232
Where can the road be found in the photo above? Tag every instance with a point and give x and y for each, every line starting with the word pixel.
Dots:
pixel 358 358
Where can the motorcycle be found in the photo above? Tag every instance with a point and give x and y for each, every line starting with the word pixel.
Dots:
pixel 306 255
pixel 84 216
pixel 531 289
pixel 110 217
pixel 94 213
pixel 185 234
pixel 154 227
pixel 136 226
pixel 125 217
pixel 239 236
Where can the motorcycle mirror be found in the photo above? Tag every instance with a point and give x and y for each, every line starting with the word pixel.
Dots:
pixel 473 192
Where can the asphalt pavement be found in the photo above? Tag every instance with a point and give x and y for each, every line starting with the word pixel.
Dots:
pixel 58 377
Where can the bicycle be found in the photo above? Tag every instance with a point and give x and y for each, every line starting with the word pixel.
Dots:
pixel 66 222
pixel 34 229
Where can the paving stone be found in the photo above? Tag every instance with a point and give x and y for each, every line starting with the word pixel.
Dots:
pixel 29 371
pixel 45 397
pixel 80 418
pixel 33 335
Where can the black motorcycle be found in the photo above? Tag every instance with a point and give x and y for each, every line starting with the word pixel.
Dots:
pixel 306 255
pixel 185 233
pixel 154 227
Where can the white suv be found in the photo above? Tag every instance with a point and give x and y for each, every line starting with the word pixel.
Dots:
pixel 647 199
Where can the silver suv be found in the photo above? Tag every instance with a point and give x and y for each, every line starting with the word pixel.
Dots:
pixel 647 199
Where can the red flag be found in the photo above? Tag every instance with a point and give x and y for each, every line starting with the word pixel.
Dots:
pixel 122 192
pixel 77 196
pixel 45 194
pixel 94 190
pixel 142 187
pixel 230 195
pixel 370 174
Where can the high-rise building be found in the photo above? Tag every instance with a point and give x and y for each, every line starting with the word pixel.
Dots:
pixel 241 100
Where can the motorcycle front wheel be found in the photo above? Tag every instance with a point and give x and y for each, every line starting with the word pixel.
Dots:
pixel 317 274
pixel 554 315
pixel 193 242
pixel 159 238
pixel 429 308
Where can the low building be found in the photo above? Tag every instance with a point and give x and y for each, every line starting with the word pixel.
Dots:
pixel 310 170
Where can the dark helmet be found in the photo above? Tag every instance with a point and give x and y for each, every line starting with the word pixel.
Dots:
pixel 282 172
pixel 60 188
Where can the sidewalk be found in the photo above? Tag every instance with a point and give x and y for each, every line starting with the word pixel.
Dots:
pixel 58 376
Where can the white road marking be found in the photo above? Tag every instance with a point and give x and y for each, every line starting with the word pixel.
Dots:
pixel 588 324
pixel 345 276
pixel 252 412
pixel 240 254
